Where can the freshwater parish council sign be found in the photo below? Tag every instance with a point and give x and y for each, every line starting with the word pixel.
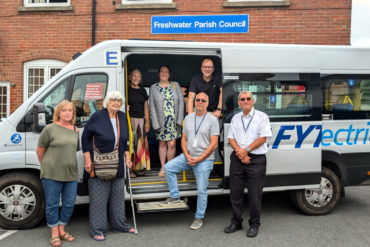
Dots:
pixel 200 24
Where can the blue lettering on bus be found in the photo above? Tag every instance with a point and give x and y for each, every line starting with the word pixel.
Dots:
pixel 111 57
pixel 348 136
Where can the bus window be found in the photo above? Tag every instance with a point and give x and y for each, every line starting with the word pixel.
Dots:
pixel 88 93
pixel 284 97
pixel 52 99
pixel 346 96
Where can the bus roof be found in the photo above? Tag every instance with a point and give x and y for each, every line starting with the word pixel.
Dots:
pixel 248 57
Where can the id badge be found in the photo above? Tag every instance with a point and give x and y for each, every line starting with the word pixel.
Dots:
pixel 195 143
pixel 244 140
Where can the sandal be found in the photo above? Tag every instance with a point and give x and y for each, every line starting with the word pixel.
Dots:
pixel 161 173
pixel 55 241
pixel 98 237
pixel 132 174
pixel 131 230
pixel 67 237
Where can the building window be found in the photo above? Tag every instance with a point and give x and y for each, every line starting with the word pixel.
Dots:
pixel 255 3
pixel 145 1
pixel 38 72
pixel 46 3
pixel 255 0
pixel 4 99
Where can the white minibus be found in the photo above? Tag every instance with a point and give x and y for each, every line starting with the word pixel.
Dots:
pixel 317 99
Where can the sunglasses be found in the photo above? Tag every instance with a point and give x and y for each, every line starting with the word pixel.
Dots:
pixel 201 100
pixel 246 99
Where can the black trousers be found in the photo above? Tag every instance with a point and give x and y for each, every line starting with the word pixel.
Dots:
pixel 254 176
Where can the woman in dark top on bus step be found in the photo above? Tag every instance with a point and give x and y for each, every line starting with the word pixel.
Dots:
pixel 140 124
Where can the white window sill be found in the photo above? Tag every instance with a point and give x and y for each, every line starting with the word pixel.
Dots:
pixel 146 6
pixel 256 3
pixel 50 8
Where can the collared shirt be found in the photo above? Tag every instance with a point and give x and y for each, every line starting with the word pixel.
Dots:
pixel 256 123
pixel 211 88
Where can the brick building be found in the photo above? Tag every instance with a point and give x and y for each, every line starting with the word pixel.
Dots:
pixel 39 37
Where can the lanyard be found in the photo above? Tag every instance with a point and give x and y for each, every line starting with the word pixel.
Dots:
pixel 195 123
pixel 241 118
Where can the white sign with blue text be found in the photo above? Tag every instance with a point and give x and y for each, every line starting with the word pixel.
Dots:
pixel 112 58
pixel 200 24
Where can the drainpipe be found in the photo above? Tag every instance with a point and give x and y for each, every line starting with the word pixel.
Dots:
pixel 93 23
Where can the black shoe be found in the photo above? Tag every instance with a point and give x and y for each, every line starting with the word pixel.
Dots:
pixel 232 228
pixel 252 232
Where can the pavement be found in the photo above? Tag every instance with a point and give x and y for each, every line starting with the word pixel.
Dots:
pixel 282 225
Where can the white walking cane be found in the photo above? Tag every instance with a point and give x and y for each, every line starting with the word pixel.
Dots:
pixel 131 198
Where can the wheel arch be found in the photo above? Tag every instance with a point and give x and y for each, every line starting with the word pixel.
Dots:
pixel 335 162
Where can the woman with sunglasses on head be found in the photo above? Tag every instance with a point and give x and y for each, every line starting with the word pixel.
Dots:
pixel 166 104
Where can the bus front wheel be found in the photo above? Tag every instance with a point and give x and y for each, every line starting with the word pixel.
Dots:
pixel 22 203
pixel 322 200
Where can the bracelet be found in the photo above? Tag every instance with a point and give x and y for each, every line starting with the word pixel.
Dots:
pixel 218 109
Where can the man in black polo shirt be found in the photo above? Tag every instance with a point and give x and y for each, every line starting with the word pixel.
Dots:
pixel 209 83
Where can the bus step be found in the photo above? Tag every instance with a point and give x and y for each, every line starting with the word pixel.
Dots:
pixel 154 206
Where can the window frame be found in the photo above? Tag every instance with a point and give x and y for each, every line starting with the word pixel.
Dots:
pixel 128 2
pixel 46 64
pixel 7 85
pixel 311 83
pixel 342 114
pixel 26 3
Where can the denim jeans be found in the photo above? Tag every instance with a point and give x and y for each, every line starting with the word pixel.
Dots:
pixel 52 190
pixel 201 172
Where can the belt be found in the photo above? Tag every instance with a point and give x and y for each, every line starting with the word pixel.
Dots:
pixel 252 155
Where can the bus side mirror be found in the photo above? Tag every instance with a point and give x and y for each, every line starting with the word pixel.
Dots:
pixel 39 118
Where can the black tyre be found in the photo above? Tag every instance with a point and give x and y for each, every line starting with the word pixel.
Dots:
pixel 22 203
pixel 319 201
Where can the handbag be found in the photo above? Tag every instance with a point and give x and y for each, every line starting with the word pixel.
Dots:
pixel 105 165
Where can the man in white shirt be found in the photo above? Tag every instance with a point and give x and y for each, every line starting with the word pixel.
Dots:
pixel 247 135
pixel 198 142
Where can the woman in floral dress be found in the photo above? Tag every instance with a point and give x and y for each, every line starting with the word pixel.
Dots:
pixel 166 104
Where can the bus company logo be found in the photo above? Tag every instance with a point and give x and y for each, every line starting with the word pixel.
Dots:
pixel 16 138
pixel 325 137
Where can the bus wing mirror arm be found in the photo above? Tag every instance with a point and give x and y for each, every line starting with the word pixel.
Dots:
pixel 39 117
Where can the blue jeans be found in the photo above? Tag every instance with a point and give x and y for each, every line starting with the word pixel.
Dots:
pixel 201 172
pixel 52 190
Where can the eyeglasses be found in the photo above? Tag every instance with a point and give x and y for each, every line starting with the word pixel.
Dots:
pixel 201 100
pixel 117 100
pixel 246 99
pixel 207 67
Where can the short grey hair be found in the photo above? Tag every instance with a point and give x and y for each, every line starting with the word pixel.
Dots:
pixel 204 94
pixel 112 95
pixel 245 92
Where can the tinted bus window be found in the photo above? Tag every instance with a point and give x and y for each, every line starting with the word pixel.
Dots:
pixel 283 97
pixel 346 96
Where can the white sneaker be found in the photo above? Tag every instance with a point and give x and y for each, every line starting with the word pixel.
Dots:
pixel 197 223
pixel 170 201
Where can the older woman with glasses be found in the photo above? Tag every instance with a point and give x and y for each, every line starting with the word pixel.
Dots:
pixel 107 132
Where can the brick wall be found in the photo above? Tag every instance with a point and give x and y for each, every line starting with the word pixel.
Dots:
pixel 25 36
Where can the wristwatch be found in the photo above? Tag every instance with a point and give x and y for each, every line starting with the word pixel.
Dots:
pixel 218 109
pixel 248 149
